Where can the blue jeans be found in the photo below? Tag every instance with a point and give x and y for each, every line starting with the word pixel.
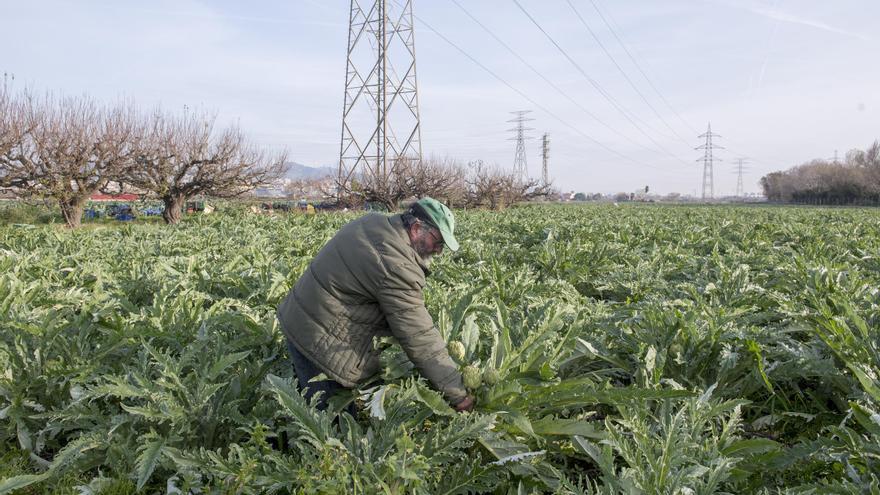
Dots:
pixel 306 370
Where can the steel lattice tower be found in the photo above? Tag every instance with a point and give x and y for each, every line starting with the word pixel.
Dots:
pixel 545 154
pixel 708 161
pixel 380 115
pixel 7 76
pixel 520 165
pixel 739 176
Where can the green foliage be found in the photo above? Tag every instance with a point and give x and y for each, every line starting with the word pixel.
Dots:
pixel 22 213
pixel 636 349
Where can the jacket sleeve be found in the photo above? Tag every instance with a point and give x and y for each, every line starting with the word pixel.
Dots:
pixel 404 307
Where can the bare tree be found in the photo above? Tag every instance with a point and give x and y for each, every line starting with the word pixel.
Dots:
pixel 441 178
pixel 371 186
pixel 297 188
pixel 868 161
pixel 856 181
pixel 496 188
pixel 12 130
pixel 872 155
pixel 312 189
pixel 773 185
pixel 64 148
pixel 180 157
pixel 485 186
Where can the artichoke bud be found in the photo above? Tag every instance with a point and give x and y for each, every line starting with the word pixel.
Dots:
pixel 456 350
pixel 491 376
pixel 471 375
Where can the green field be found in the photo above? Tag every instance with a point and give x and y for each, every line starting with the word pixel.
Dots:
pixel 641 349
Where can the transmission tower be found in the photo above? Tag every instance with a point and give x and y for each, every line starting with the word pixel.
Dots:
pixel 7 76
pixel 545 154
pixel 739 175
pixel 380 114
pixel 708 162
pixel 520 166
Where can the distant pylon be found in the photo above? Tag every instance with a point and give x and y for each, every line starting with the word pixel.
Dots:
pixel 520 166
pixel 380 114
pixel 545 154
pixel 739 176
pixel 7 76
pixel 708 162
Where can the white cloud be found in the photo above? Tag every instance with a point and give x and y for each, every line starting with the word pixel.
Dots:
pixel 779 15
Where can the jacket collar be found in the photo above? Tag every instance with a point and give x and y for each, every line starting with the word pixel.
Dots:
pixel 397 222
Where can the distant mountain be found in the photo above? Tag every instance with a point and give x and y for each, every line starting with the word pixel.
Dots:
pixel 299 171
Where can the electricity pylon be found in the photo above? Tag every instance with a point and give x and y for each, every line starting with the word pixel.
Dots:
pixel 545 154
pixel 520 165
pixel 7 76
pixel 708 161
pixel 380 114
pixel 739 175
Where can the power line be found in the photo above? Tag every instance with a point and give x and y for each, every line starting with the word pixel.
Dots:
pixel 546 79
pixel 610 99
pixel 610 23
pixel 639 67
pixel 608 20
pixel 623 72
pixel 738 151
pixel 528 98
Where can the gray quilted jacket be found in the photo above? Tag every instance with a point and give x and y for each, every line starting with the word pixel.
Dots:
pixel 367 282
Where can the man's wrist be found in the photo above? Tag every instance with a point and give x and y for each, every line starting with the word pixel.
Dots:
pixel 464 405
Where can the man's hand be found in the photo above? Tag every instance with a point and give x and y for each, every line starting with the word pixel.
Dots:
pixel 466 404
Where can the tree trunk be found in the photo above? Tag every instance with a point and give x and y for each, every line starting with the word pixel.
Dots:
pixel 173 206
pixel 72 210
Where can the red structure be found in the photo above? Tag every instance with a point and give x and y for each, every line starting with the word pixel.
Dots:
pixel 114 197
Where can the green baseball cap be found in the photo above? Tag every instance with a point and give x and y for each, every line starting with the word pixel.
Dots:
pixel 442 218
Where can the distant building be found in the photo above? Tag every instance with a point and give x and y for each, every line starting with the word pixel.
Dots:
pixel 269 192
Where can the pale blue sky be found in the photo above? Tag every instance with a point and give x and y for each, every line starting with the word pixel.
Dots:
pixel 782 81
